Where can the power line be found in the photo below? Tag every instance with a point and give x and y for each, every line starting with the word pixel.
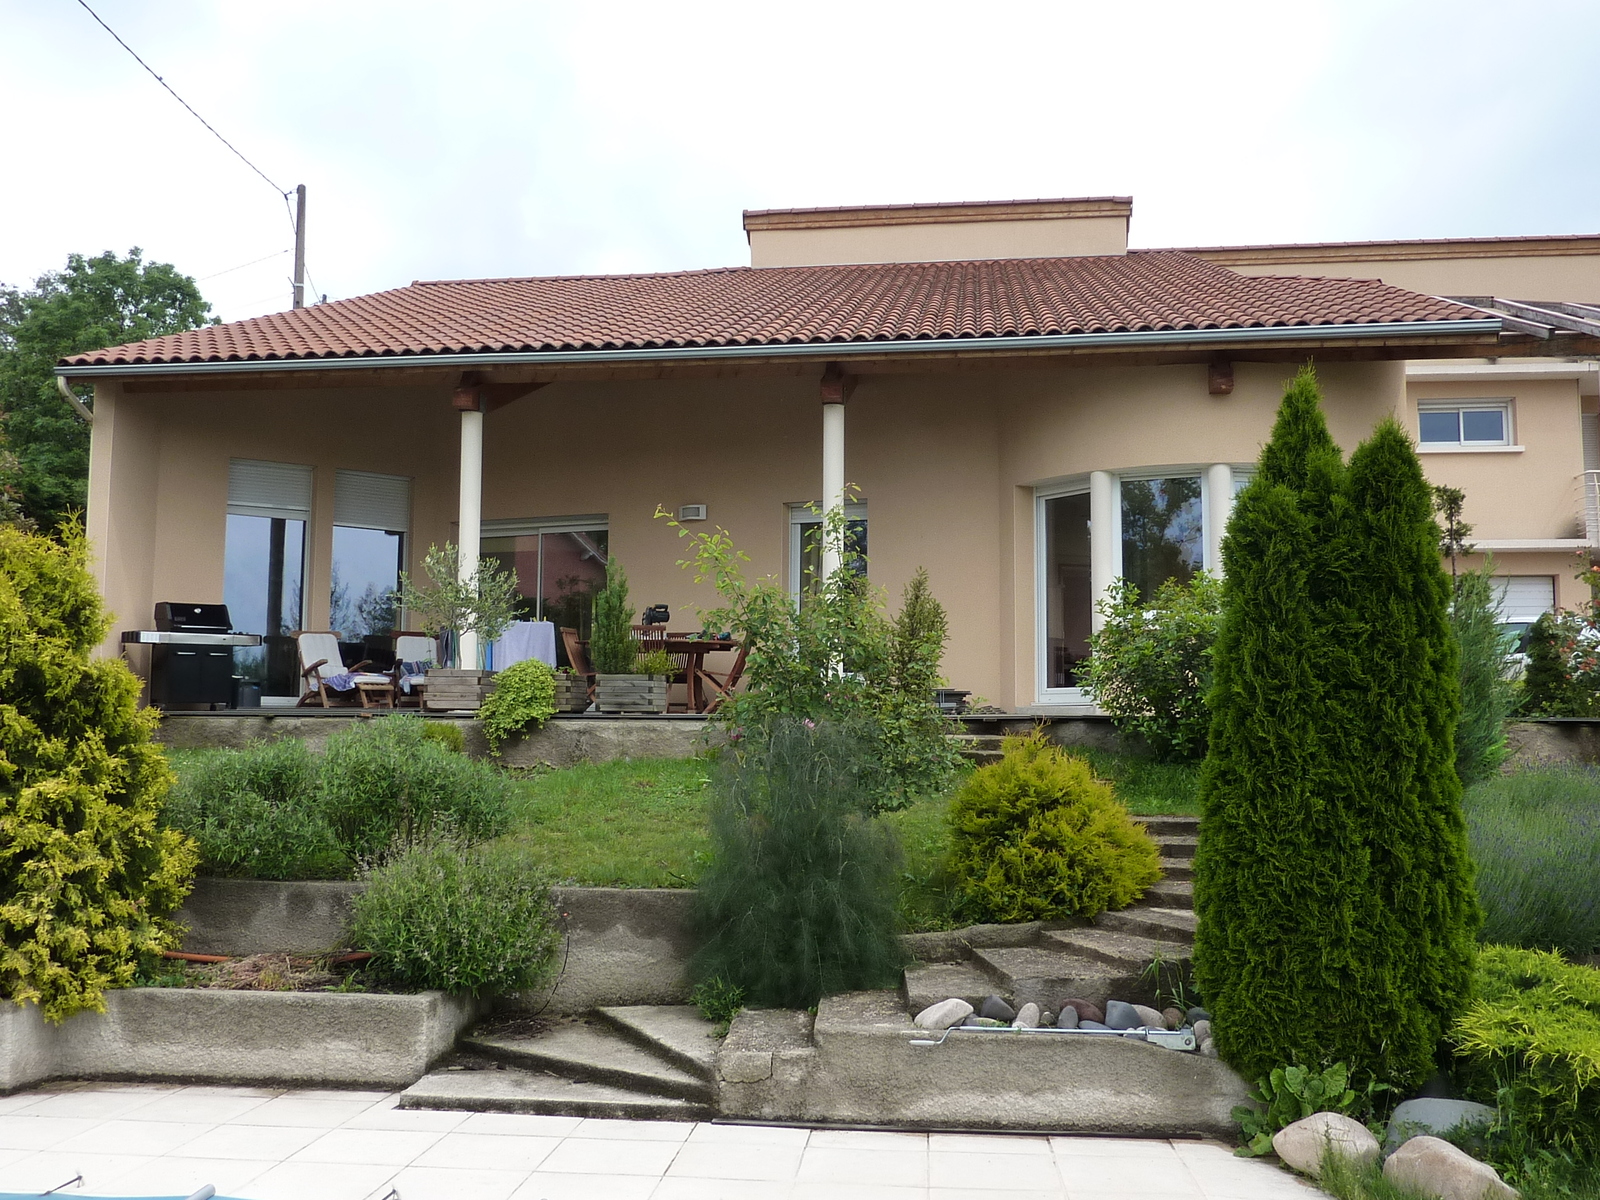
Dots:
pixel 282 192
pixel 241 266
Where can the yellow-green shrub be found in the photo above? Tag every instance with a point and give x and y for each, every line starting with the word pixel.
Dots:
pixel 1532 1035
pixel 87 879
pixel 1036 836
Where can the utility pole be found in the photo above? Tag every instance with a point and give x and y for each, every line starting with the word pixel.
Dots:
pixel 300 247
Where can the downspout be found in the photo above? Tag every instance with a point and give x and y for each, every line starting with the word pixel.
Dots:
pixel 71 397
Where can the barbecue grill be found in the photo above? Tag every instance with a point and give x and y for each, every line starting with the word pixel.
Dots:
pixel 191 654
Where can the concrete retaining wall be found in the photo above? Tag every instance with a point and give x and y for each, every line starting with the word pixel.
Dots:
pixel 563 742
pixel 300 1038
pixel 1552 743
pixel 855 1064
pixel 263 916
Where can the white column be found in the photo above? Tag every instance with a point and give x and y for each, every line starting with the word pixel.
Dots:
pixel 832 479
pixel 1102 535
pixel 471 515
pixel 1219 507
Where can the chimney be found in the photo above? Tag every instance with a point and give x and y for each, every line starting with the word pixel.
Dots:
pixel 804 237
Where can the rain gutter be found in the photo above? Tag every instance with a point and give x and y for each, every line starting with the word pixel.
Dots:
pixel 821 350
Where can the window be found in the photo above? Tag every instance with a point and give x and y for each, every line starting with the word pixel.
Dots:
pixel 371 515
pixel 560 563
pixel 1521 600
pixel 264 567
pixel 805 546
pixel 1068 588
pixel 1466 424
pixel 1161 533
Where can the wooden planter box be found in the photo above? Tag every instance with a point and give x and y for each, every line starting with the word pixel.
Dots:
pixel 631 693
pixel 572 694
pixel 452 689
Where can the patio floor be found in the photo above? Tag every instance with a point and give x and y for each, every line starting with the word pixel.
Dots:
pixel 270 1144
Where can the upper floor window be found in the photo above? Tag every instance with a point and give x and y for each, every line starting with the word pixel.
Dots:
pixel 1464 423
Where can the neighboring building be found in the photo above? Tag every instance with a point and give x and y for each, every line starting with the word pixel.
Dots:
pixel 1032 409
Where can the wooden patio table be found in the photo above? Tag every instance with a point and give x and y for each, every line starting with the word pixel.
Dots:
pixel 695 648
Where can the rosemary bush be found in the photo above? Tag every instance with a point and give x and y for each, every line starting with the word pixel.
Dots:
pixel 388 787
pixel 258 813
pixel 477 921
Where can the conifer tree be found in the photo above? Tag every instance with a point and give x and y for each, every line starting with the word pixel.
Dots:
pixel 1325 816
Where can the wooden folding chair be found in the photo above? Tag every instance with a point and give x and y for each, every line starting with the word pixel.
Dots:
pixel 578 658
pixel 412 646
pixel 320 661
pixel 721 686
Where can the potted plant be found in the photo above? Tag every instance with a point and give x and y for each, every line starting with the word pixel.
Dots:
pixel 572 691
pixel 484 604
pixel 619 685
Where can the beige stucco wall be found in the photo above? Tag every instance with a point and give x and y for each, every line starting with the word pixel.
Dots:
pixel 939 242
pixel 1534 492
pixel 947 464
pixel 1574 277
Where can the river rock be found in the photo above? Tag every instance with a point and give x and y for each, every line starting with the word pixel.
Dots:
pixel 1197 1014
pixel 1173 1017
pixel 1202 1030
pixel 1303 1143
pixel 1094 1025
pixel 1208 1048
pixel 1027 1016
pixel 1148 1017
pixel 1434 1167
pixel 1121 1015
pixel 943 1014
pixel 998 1009
pixel 1433 1116
pixel 1067 1018
pixel 977 1022
pixel 1087 1010
pixel 1047 1020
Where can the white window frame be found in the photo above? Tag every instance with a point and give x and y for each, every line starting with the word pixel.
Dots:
pixel 1075 486
pixel 807 514
pixel 1504 405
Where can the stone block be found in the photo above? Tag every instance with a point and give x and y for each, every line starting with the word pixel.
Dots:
pixel 1433 1167
pixel 1303 1144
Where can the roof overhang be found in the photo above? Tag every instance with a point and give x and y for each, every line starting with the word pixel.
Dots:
pixel 1479 336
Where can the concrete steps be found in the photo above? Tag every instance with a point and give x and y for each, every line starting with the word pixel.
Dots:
pixel 1111 957
pixel 632 1062
pixel 979 748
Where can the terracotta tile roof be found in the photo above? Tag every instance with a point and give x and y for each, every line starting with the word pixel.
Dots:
pixel 776 306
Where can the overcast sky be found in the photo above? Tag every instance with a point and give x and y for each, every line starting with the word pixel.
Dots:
pixel 481 139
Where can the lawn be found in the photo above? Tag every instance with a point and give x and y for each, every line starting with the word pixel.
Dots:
pixel 642 823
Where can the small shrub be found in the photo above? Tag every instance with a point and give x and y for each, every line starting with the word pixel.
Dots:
pixel 257 813
pixel 447 735
pixel 1150 666
pixel 718 1001
pixel 837 658
pixel 1291 1094
pixel 1530 1040
pixel 1535 838
pixel 612 648
pixel 1036 836
pixel 88 879
pixel 524 698
pixel 1487 696
pixel 798 899
pixel 389 787
pixel 477 921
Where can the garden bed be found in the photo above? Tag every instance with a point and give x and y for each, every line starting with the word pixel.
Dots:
pixel 263 1037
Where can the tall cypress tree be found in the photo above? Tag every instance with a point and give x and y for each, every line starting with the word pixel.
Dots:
pixel 1303 954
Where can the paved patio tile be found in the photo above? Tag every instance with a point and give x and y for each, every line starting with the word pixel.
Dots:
pixel 392 1147
pixel 836 1165
pixel 733 1161
pixel 544 1185
pixel 999 1172
pixel 317 1181
pixel 454 1183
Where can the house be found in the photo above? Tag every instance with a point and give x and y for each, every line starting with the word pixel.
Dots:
pixel 1004 393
